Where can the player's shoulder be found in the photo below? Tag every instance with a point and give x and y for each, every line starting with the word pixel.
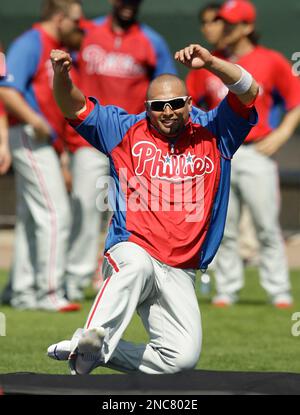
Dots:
pixel 30 35
pixel 113 110
pixel 197 115
pixel 30 40
pixel 98 21
pixel 270 54
pixel 95 28
pixel 87 24
pixel 150 33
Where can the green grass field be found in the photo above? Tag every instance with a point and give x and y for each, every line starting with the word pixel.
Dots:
pixel 251 336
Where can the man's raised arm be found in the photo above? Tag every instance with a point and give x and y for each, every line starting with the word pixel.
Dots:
pixel 68 97
pixel 237 79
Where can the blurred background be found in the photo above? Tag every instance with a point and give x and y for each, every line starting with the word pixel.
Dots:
pixel 177 21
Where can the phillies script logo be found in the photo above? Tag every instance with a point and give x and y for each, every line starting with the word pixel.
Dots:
pixel 169 167
pixel 101 62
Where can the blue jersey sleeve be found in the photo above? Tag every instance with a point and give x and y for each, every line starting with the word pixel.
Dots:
pixel 229 127
pixel 99 20
pixel 105 126
pixel 164 59
pixel 277 110
pixel 22 61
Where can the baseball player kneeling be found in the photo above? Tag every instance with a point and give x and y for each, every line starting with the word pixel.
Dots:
pixel 170 176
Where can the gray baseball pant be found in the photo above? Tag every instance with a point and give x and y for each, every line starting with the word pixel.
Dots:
pixel 254 182
pixel 87 166
pixel 165 300
pixel 43 224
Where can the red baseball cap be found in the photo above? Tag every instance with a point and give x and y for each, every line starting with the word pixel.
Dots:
pixel 237 11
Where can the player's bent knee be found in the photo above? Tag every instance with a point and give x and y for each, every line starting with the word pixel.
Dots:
pixel 181 363
pixel 187 360
pixel 269 237
pixel 141 266
pixel 138 260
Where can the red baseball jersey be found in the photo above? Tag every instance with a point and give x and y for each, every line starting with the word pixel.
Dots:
pixel 117 67
pixel 273 73
pixel 29 71
pixel 169 196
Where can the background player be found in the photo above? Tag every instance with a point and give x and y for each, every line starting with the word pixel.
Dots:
pixel 43 214
pixel 254 180
pixel 211 26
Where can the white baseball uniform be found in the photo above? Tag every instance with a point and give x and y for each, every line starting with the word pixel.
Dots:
pixel 43 223
pixel 254 183
pixel 87 165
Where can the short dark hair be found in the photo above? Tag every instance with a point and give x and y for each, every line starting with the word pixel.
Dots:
pixel 209 6
pixel 51 7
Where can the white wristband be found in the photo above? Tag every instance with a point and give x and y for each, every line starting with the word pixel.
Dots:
pixel 243 84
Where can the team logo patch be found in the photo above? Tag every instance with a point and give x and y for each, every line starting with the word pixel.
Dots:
pixel 101 62
pixel 174 167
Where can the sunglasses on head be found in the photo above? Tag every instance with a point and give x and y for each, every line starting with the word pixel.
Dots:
pixel 160 104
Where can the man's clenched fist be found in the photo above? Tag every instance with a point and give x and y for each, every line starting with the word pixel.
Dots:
pixel 61 61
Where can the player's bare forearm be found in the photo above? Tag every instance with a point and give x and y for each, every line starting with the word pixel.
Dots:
pixel 290 122
pixel 5 156
pixel 16 105
pixel 197 57
pixel 3 130
pixel 68 97
pixel 278 137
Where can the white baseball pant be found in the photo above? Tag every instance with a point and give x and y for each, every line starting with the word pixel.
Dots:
pixel 43 224
pixel 87 166
pixel 165 300
pixel 254 183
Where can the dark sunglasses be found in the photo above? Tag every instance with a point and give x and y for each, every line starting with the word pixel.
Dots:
pixel 160 105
